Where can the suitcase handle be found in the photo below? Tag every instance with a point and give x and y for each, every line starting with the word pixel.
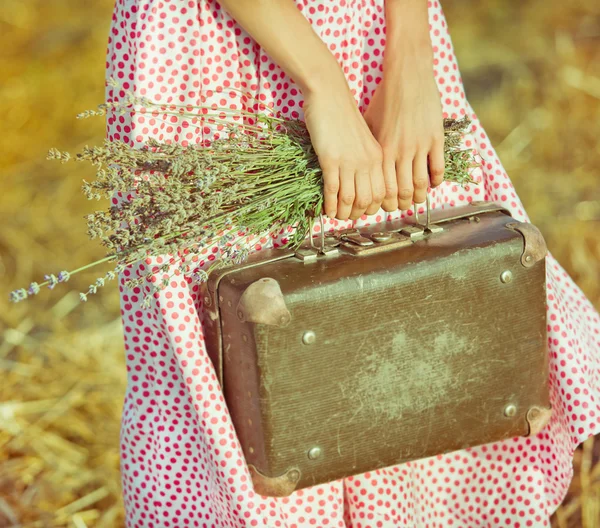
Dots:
pixel 402 232
pixel 322 248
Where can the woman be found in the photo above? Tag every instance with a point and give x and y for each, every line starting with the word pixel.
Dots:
pixel 372 79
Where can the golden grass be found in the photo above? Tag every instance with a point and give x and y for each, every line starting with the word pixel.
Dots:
pixel 532 72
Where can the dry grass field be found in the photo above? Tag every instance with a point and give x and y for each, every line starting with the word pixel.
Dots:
pixel 532 73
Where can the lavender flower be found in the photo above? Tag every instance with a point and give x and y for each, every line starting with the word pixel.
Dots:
pixel 64 276
pixel 200 274
pixel 34 288
pixel 18 295
pixel 147 301
pixel 53 280
pixel 224 239
pixel 240 256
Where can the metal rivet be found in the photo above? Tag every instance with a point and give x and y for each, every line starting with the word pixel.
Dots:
pixel 506 276
pixel 528 258
pixel 381 236
pixel 240 314
pixel 314 452
pixel 244 338
pixel 229 303
pixel 309 337
pixel 510 410
pixel 294 474
pixel 220 298
pixel 251 450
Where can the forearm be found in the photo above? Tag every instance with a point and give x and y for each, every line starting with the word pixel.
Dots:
pixel 289 39
pixel 407 33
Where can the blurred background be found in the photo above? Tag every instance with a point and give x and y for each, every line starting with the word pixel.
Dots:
pixel 532 73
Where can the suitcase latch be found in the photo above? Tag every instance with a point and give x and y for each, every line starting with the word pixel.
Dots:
pixel 351 235
pixel 357 239
pixel 413 232
pixel 311 254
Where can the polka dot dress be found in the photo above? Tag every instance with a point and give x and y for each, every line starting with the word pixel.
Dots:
pixel 182 465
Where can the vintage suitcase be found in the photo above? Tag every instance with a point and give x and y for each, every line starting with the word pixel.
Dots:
pixel 395 342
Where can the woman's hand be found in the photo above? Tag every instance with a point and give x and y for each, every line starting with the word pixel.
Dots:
pixel 349 155
pixel 405 113
pixel 405 116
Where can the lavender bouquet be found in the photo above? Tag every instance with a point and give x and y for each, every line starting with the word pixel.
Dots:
pixel 259 176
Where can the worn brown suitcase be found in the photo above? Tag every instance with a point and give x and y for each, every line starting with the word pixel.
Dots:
pixel 396 343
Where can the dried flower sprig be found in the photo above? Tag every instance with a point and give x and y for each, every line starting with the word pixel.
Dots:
pixel 255 179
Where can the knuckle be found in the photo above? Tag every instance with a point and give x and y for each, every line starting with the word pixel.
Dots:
pixel 363 202
pixel 389 151
pixel 377 167
pixel 331 187
pixel 406 150
pixel 376 155
pixel 347 199
pixel 364 164
pixel 405 194
pixel 379 196
pixel 391 189
pixel 438 137
pixel 437 172
pixel 329 161
pixel 421 183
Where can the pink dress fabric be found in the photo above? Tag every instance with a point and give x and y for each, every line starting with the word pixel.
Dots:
pixel 182 465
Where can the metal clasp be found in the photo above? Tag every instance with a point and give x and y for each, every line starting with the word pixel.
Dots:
pixel 428 227
pixel 311 253
pixel 323 248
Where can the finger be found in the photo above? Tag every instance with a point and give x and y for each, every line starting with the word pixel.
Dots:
pixel 346 193
pixel 331 187
pixel 390 201
pixel 420 177
pixel 436 163
pixel 363 198
pixel 377 189
pixel 405 183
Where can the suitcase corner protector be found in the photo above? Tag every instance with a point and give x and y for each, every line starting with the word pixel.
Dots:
pixel 535 248
pixel 280 486
pixel 537 418
pixel 263 302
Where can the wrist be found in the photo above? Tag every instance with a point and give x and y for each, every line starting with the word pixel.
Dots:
pixel 407 55
pixel 407 32
pixel 325 76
